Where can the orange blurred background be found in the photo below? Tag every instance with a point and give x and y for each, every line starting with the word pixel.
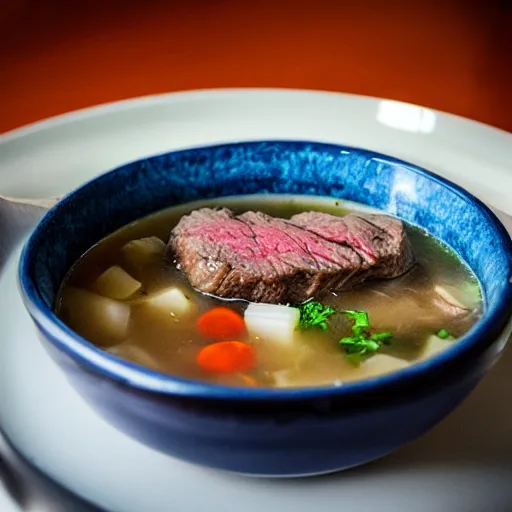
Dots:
pixel 452 55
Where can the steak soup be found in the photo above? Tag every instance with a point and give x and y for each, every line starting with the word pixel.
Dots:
pixel 271 290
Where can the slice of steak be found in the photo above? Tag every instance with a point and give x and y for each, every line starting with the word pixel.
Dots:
pixel 380 240
pixel 257 257
pixel 264 259
pixel 307 264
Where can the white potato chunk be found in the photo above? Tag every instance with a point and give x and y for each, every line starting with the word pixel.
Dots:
pixel 272 323
pixel 172 302
pixel 143 251
pixel 433 346
pixel 379 364
pixel 295 378
pixel 135 354
pixel 284 378
pixel 301 377
pixel 96 317
pixel 116 283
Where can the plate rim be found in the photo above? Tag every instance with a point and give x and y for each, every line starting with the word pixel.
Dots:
pixel 134 102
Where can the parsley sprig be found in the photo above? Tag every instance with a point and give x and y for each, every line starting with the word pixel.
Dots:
pixel 314 314
pixel 444 335
pixel 362 343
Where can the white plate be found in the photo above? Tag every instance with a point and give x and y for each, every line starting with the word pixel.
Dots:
pixel 464 464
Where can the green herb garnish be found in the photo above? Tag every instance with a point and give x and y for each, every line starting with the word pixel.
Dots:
pixel 444 335
pixel 381 336
pixel 361 320
pixel 314 314
pixel 362 343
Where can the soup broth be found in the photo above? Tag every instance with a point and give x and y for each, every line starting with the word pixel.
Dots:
pixel 127 297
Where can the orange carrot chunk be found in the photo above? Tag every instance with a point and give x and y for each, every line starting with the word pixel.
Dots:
pixel 227 357
pixel 221 323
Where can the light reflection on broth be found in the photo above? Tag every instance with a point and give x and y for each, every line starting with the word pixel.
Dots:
pixel 410 307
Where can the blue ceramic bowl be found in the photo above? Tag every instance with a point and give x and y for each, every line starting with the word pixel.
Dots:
pixel 264 431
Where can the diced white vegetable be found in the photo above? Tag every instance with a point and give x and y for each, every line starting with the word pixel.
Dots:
pixel 296 377
pixel 381 363
pixel 135 354
pixel 172 302
pixel 272 322
pixel 464 297
pixel 284 378
pixel 144 250
pixel 116 283
pixel 433 345
pixel 96 317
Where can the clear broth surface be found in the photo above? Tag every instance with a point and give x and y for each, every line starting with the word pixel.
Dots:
pixel 407 306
